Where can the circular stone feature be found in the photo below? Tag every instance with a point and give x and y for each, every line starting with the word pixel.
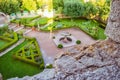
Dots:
pixel 65 38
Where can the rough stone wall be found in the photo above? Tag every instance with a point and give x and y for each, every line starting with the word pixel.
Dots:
pixel 113 26
pixel 99 61
pixel 0 76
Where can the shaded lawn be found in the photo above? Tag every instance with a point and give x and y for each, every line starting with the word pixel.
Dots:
pixel 3 42
pixel 9 67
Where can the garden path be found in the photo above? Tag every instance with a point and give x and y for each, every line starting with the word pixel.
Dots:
pixel 48 47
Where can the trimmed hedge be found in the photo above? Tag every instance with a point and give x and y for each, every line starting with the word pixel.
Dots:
pixel 78 42
pixel 12 41
pixel 60 46
pixel 30 53
pixel 49 66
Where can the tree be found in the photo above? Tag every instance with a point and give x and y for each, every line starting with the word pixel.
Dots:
pixel 39 3
pixel 73 8
pixel 29 5
pixel 113 25
pixel 57 4
pixel 9 6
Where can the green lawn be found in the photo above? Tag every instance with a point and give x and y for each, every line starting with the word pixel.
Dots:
pixel 9 67
pixel 3 42
pixel 32 21
pixel 91 27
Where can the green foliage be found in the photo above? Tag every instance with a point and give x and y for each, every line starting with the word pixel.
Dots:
pixel 29 5
pixel 73 8
pixel 9 6
pixel 49 66
pixel 42 21
pixel 103 8
pixel 78 42
pixel 33 21
pixel 91 27
pixel 3 29
pixel 60 46
pixel 53 37
pixel 91 9
pixel 11 41
pixel 39 3
pixel 30 53
pixel 10 67
pixel 57 3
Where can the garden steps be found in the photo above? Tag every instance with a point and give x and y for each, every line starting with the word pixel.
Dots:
pixel 13 46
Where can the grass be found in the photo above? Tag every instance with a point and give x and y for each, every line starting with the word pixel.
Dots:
pixel 9 67
pixel 32 21
pixel 3 42
pixel 91 27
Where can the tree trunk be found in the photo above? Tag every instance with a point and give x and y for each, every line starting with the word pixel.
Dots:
pixel 113 25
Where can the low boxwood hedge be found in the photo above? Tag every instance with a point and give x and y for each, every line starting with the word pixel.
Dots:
pixel 60 46
pixel 30 53
pixel 78 42
pixel 12 41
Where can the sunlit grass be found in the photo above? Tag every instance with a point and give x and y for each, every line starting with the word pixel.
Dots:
pixel 9 67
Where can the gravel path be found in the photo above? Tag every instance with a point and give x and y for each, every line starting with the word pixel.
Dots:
pixel 48 47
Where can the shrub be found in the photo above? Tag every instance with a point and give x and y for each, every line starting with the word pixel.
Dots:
pixel 9 6
pixel 3 29
pixel 60 46
pixel 42 66
pixel 29 5
pixel 49 66
pixel 78 42
pixel 53 37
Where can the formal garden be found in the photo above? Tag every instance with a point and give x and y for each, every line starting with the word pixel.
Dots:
pixel 21 52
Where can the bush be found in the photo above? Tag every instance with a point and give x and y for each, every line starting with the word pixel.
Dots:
pixel 60 46
pixel 9 6
pixel 42 66
pixel 3 29
pixel 78 42
pixel 53 37
pixel 49 66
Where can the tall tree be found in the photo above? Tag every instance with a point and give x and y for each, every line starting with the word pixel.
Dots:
pixel 9 6
pixel 113 25
pixel 29 5
pixel 73 8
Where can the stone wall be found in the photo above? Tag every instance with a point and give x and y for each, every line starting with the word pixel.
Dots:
pixel 0 76
pixel 113 25
pixel 99 61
